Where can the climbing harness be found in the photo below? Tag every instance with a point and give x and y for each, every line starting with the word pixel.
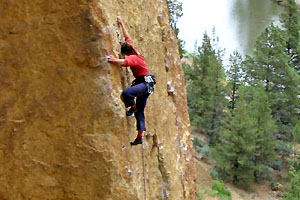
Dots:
pixel 138 80
pixel 150 81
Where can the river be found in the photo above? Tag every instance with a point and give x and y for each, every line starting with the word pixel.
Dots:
pixel 237 22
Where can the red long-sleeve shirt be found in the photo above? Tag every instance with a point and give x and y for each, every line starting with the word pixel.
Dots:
pixel 136 63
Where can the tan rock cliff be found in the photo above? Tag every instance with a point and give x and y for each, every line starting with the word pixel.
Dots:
pixel 63 130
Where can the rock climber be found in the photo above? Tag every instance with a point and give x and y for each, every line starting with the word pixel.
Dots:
pixel 141 87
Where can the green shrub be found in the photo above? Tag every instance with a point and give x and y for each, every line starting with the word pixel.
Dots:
pixel 198 149
pixel 293 193
pixel 199 195
pixel 213 173
pixel 206 151
pixel 265 172
pixel 273 185
pixel 283 148
pixel 197 142
pixel 277 165
pixel 202 148
pixel 220 190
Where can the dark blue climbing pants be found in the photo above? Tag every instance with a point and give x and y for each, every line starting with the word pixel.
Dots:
pixel 138 91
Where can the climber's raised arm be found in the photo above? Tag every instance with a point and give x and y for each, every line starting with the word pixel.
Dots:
pixel 124 30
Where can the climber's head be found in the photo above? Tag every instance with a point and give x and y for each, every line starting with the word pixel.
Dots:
pixel 127 49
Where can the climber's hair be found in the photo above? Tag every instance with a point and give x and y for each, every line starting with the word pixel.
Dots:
pixel 127 49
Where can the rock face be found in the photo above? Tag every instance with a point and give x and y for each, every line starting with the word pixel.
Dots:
pixel 63 129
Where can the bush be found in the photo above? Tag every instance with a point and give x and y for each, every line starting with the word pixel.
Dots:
pixel 273 185
pixel 206 151
pixel 295 159
pixel 213 173
pixel 202 148
pixel 293 193
pixel 283 148
pixel 277 165
pixel 197 142
pixel 199 195
pixel 220 190
pixel 266 172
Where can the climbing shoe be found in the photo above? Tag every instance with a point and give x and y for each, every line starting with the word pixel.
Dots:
pixel 130 111
pixel 136 141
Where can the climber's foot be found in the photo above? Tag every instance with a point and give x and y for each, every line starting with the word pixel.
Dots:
pixel 136 141
pixel 130 111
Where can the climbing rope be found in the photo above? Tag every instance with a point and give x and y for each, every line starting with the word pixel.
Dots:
pixel 144 178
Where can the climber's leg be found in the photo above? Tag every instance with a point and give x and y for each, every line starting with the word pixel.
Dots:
pixel 134 91
pixel 140 118
pixel 139 114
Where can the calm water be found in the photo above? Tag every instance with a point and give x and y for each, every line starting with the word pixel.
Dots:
pixel 237 22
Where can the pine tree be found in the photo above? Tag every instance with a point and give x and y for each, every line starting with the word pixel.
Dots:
pixel 193 79
pixel 236 149
pixel 213 91
pixel 247 147
pixel 235 76
pixel 270 65
pixel 175 12
pixel 264 152
pixel 206 89
pixel 291 24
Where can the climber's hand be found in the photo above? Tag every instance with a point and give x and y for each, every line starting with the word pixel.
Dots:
pixel 115 60
pixel 119 20
pixel 111 58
